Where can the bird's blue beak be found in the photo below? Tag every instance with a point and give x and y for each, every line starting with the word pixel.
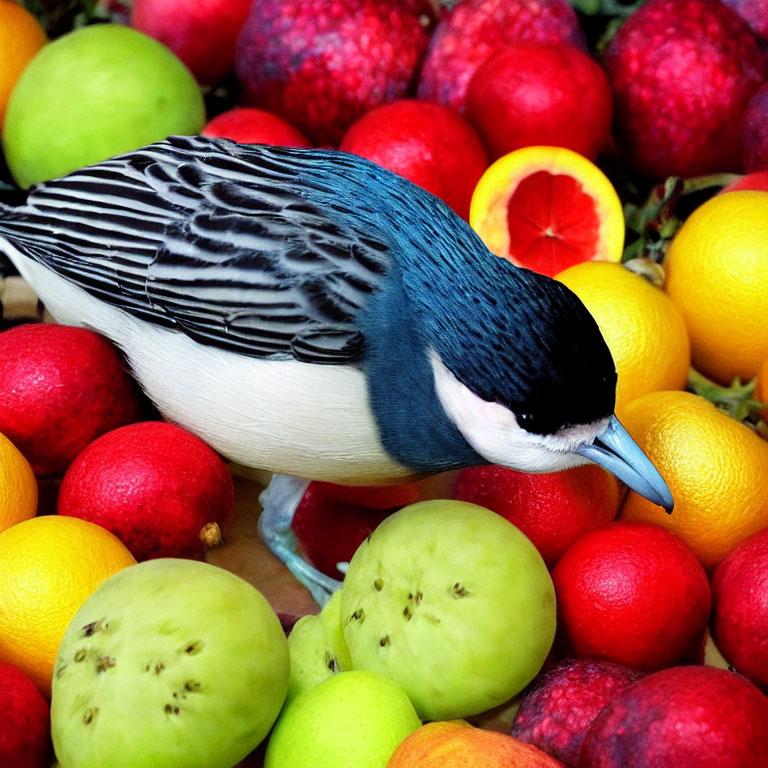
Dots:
pixel 614 450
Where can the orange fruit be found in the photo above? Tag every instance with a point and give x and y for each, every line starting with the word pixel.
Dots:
pixel 21 37
pixel 547 208
pixel 715 467
pixel 716 272
pixel 641 325
pixel 49 565
pixel 632 594
pixel 456 744
pixel 18 486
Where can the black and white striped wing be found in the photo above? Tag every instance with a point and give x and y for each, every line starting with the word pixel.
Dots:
pixel 226 243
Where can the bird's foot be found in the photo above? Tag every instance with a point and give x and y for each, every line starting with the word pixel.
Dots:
pixel 279 501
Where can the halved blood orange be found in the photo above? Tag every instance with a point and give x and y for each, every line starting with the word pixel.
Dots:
pixel 548 208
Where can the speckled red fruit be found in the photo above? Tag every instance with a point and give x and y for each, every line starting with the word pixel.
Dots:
pixel 683 717
pixel 561 703
pixel 473 29
pixel 320 65
pixel 754 132
pixel 329 531
pixel 154 485
pixel 428 144
pixel 755 13
pixel 60 388
pixel 254 126
pixel 202 33
pixel 633 594
pixel 529 94
pixel 682 73
pixel 740 608
pixel 24 721
pixel 553 510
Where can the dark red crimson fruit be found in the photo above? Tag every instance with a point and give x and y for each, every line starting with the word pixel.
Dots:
pixel 428 144
pixel 755 13
pixel 154 485
pixel 254 126
pixel 473 29
pixel 320 65
pixel 754 132
pixel 561 703
pixel 682 73
pixel 24 721
pixel 60 388
pixel 682 717
pixel 529 94
pixel 329 531
pixel 373 497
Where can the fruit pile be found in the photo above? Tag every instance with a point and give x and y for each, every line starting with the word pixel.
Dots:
pixel 487 617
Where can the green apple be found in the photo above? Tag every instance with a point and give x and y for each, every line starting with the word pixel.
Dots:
pixel 351 719
pixel 94 93
pixel 453 603
pixel 168 663
pixel 317 648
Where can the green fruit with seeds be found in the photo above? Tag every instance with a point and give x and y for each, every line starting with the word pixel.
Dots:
pixel 169 664
pixel 453 603
pixel 317 648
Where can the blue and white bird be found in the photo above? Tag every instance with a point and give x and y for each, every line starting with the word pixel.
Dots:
pixel 310 313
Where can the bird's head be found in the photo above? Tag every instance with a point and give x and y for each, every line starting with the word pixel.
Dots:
pixel 522 370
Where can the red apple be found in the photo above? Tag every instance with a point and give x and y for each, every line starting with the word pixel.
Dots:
pixel 254 126
pixel 202 33
pixel 24 721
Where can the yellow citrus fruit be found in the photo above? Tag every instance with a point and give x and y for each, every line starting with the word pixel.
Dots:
pixel 18 486
pixel 21 37
pixel 49 565
pixel 643 328
pixel 547 208
pixel 715 467
pixel 717 274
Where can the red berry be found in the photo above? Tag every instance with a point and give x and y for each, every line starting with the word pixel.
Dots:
pixel 60 388
pixel 682 73
pixel 633 594
pixel 24 721
pixel 154 485
pixel 426 143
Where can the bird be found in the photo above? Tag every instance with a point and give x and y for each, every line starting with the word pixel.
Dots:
pixel 309 313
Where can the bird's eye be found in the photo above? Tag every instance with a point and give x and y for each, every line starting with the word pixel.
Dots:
pixel 525 420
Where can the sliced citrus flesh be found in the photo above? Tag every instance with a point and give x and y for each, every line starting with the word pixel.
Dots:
pixel 547 209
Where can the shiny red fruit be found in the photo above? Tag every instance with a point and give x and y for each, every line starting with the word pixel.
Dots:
pixel 682 73
pixel 321 65
pixel 154 485
pixel 60 388
pixel 552 509
pixel 633 594
pixel 202 33
pixel 428 144
pixel 529 94
pixel 740 608
pixel 254 126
